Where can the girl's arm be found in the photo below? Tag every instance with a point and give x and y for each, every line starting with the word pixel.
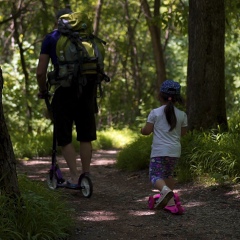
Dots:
pixel 183 131
pixel 147 129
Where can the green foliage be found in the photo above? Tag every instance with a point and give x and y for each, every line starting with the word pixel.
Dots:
pixel 126 100
pixel 113 138
pixel 34 145
pixel 211 153
pixel 136 155
pixel 39 214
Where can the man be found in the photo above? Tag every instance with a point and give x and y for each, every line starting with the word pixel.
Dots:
pixel 69 107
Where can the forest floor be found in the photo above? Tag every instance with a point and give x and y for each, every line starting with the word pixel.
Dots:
pixel 118 208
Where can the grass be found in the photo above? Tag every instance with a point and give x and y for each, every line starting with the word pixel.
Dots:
pixel 205 155
pixel 39 214
pixel 135 156
pixel 208 153
pixel 40 145
pixel 215 155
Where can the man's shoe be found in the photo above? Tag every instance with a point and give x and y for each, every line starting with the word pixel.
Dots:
pixel 71 185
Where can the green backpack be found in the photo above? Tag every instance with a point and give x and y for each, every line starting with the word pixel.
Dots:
pixel 79 52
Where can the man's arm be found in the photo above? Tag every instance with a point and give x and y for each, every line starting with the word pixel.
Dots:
pixel 42 72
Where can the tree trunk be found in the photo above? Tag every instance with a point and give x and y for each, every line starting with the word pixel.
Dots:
pixel 97 17
pixel 205 82
pixel 17 23
pixel 133 55
pixel 8 174
pixel 155 32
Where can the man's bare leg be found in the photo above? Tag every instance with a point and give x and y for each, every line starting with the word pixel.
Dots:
pixel 86 155
pixel 69 154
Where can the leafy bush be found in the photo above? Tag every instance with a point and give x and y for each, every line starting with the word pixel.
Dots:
pixel 39 214
pixel 214 154
pixel 113 138
pixel 135 156
pixel 40 145
pixel 211 154
pixel 32 145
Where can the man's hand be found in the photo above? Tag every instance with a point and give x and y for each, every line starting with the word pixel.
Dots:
pixel 43 94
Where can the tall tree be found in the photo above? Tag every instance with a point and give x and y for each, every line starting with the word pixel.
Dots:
pixel 8 175
pixel 97 16
pixel 155 32
pixel 206 81
pixel 18 30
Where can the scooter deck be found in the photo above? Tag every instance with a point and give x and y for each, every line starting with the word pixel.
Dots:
pixel 65 185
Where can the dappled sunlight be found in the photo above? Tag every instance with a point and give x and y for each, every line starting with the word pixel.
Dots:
pixel 97 216
pixel 233 193
pixel 109 152
pixel 194 204
pixel 35 162
pixel 141 213
pixel 103 162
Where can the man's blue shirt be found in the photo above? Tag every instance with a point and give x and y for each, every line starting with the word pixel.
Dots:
pixel 49 45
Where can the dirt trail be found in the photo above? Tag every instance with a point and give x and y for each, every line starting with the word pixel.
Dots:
pixel 118 207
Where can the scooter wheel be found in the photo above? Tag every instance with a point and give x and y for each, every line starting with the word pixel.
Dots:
pixel 151 202
pixel 51 180
pixel 86 186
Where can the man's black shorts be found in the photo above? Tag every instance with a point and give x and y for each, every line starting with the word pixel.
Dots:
pixel 69 107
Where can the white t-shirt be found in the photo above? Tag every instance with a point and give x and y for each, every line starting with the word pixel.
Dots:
pixel 165 142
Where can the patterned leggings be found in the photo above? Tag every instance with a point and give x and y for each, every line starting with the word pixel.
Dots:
pixel 161 168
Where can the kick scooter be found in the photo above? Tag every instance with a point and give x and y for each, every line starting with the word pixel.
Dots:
pixel 54 176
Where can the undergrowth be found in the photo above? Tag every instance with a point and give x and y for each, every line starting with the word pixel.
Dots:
pixel 205 155
pixel 135 156
pixel 39 145
pixel 39 214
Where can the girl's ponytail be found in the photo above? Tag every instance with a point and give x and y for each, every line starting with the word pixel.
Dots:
pixel 170 93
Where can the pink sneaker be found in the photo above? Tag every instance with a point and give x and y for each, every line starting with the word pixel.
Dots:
pixel 165 195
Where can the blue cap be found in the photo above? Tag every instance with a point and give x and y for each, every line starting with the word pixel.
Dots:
pixel 170 87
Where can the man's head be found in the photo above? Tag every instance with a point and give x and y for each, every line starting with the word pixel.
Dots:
pixel 62 12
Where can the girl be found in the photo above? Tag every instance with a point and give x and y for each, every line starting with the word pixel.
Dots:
pixel 168 124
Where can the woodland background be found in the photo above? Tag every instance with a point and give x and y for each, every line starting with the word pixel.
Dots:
pixel 193 42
